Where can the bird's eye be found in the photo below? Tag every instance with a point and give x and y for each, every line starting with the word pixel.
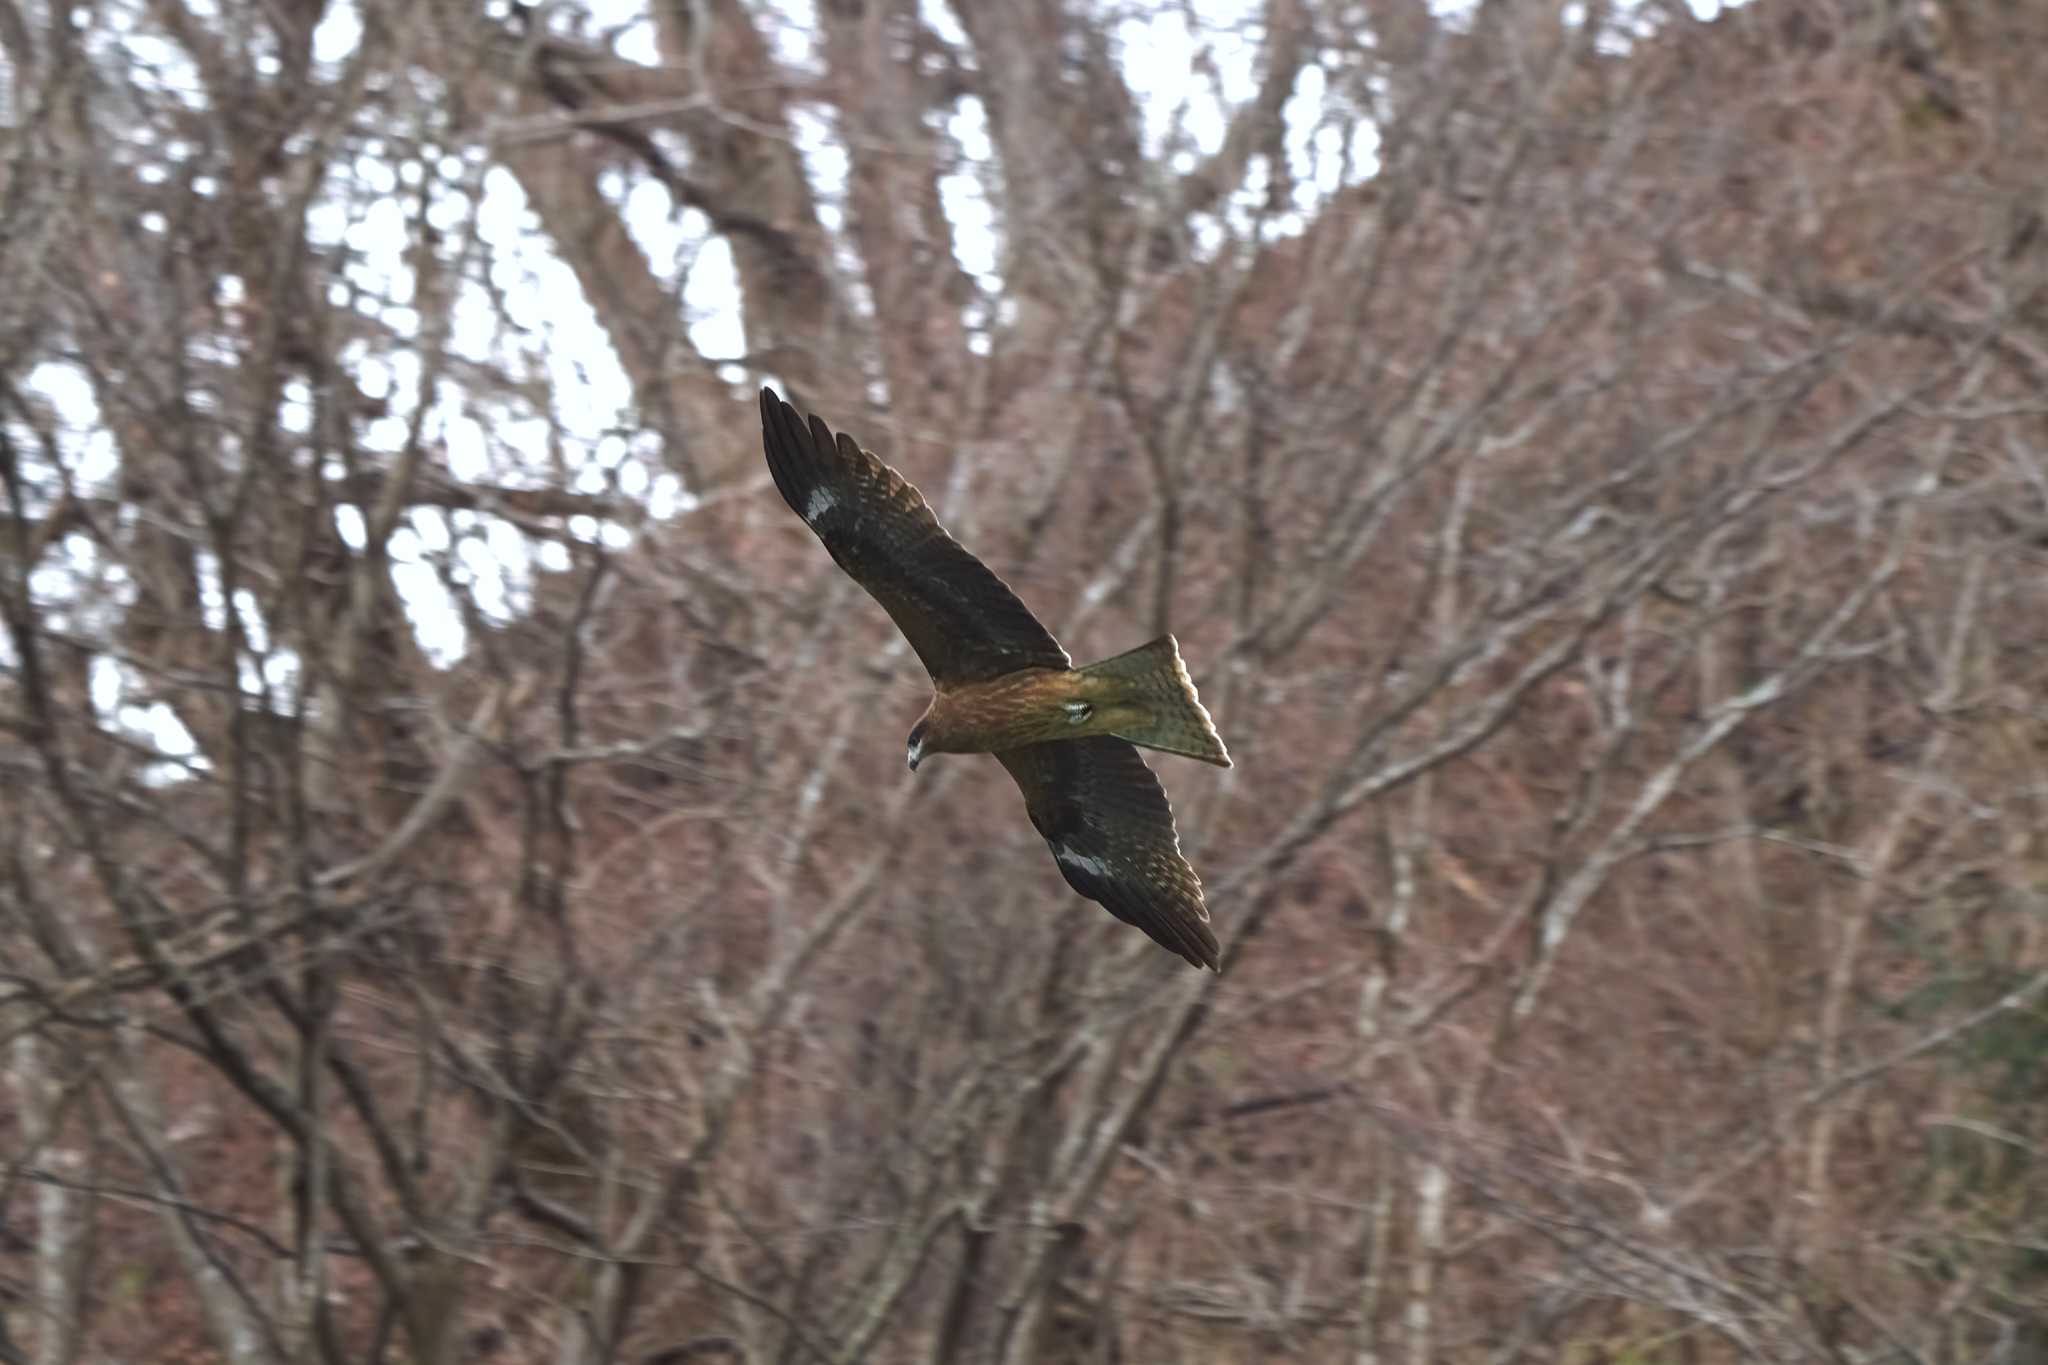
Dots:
pixel 1078 712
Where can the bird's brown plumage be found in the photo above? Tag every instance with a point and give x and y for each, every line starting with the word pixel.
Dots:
pixel 1000 678
pixel 963 621
pixel 1109 826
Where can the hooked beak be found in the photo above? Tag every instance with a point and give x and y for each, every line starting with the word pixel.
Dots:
pixel 916 756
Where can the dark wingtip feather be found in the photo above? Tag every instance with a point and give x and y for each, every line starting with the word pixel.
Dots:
pixel 1206 952
pixel 790 459
pixel 1196 944
pixel 821 435
pixel 1169 924
pixel 1184 929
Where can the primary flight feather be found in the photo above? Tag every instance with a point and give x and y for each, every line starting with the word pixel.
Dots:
pixel 1002 685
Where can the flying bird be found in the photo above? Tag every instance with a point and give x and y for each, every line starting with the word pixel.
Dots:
pixel 1002 685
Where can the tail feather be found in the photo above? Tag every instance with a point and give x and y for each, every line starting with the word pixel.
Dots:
pixel 1168 715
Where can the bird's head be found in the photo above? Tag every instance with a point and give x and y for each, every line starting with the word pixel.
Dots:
pixel 915 748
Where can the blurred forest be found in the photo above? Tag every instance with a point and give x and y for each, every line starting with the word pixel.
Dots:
pixel 460 894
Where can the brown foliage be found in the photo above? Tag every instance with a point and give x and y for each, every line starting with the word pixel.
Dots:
pixel 1608 527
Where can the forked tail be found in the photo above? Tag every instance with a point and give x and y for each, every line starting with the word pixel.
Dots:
pixel 1154 690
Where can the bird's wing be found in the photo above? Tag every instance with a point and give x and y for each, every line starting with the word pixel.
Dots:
pixel 963 621
pixel 1111 831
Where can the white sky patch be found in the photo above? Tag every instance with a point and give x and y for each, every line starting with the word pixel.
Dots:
pixel 105 681
pixel 376 174
pixel 473 324
pixel 549 323
pixel 448 213
pixel 374 377
pixel 629 26
pixel 338 34
pixel 1327 147
pixel 436 621
pixel 110 686
pixel 1630 13
pixel 263 667
pixel 51 586
pixel 160 725
pixel 379 236
pixel 1305 144
pixel 525 438
pixel 1192 68
pixel 158 65
pixel 1161 54
pixel 668 237
pixel 506 549
pixel 254 629
pixel 795 45
pixel 326 221
pixel 552 556
pixel 467 453
pixel 503 219
pixel 431 528
pixel 386 434
pixel 595 477
pixel 348 524
pixel 213 603
pixel 964 195
pixel 825 163
pixel 666 497
pixel 633 479
pixel 939 18
pixel 551 319
pixel 81 590
pixel 638 43
pixel 711 302
pixel 281 672
pixel 1342 159
pixel 295 407
pixel 82 440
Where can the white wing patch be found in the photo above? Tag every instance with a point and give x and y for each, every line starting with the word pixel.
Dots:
pixel 821 501
pixel 1080 862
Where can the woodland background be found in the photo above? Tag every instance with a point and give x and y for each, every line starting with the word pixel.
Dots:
pixel 460 896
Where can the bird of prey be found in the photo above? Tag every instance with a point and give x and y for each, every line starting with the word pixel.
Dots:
pixel 1002 685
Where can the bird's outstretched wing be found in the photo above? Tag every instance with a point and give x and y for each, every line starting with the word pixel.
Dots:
pixel 1111 831
pixel 963 621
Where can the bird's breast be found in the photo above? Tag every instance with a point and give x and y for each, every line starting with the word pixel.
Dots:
pixel 1026 707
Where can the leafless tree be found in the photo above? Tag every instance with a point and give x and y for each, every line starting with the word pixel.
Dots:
pixel 461 898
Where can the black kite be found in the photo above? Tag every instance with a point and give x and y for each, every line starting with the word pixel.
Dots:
pixel 1002 685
